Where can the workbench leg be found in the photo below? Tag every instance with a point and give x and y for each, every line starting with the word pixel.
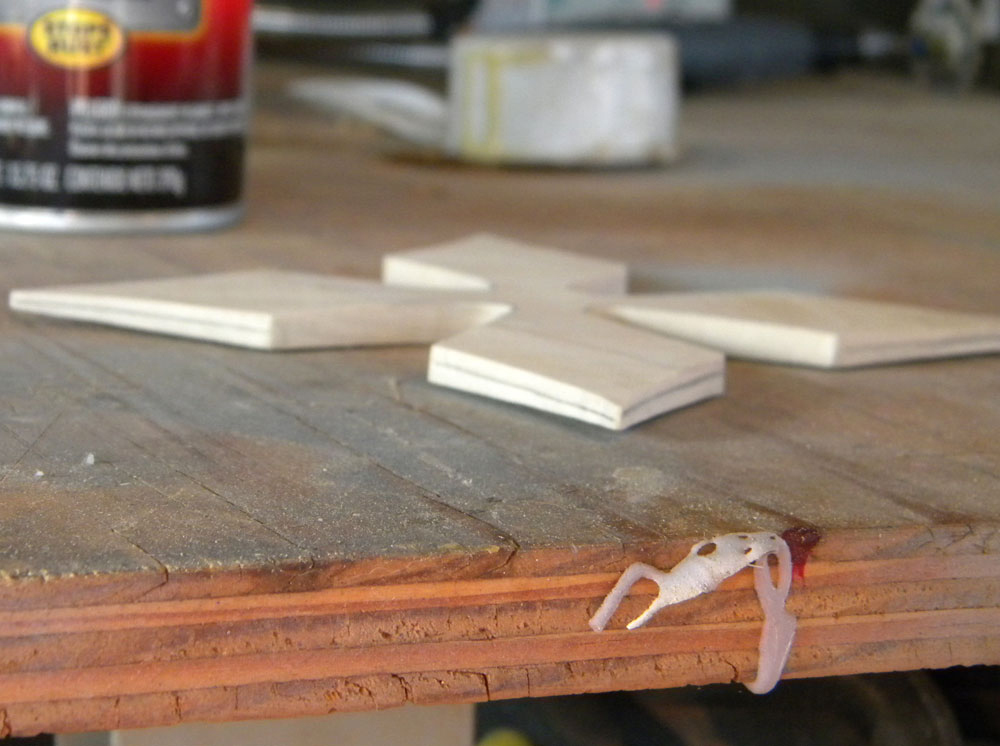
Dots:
pixel 441 725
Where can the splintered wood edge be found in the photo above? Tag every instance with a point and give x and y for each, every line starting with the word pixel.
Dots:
pixel 922 597
pixel 455 685
pixel 312 683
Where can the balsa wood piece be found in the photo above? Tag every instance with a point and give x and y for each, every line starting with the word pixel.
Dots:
pixel 523 324
pixel 266 309
pixel 485 261
pixel 550 354
pixel 823 332
pixel 578 380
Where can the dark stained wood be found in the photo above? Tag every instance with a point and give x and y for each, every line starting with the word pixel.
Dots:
pixel 285 534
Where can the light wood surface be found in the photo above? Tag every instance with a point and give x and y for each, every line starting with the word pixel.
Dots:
pixel 529 336
pixel 819 331
pixel 521 332
pixel 265 309
pixel 267 535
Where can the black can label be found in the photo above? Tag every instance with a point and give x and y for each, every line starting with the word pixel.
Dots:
pixel 123 104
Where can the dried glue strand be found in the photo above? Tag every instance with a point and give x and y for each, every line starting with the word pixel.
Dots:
pixel 707 564
pixel 633 574
pixel 705 567
pixel 779 626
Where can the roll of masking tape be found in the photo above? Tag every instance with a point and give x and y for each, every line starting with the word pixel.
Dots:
pixel 563 99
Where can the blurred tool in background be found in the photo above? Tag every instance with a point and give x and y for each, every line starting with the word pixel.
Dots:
pixel 944 42
pixel 721 43
pixel 951 38
pixel 562 99
pixel 716 47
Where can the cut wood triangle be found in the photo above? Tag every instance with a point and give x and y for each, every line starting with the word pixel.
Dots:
pixel 528 325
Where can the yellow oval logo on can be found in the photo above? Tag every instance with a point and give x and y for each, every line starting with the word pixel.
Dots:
pixel 76 38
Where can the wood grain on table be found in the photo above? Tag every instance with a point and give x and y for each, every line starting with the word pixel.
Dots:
pixel 279 534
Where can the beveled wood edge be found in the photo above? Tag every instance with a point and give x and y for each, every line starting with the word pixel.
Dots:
pixel 487 572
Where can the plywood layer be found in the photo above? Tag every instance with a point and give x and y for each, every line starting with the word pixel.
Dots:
pixel 161 662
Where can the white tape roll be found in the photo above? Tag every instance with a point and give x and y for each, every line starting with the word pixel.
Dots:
pixel 563 100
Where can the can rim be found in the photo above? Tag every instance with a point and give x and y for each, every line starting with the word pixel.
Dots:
pixel 75 221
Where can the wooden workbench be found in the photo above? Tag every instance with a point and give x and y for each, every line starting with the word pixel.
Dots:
pixel 286 534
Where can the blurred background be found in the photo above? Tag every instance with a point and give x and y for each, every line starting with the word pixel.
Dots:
pixel 951 44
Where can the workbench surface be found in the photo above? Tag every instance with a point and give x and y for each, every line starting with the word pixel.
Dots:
pixel 280 534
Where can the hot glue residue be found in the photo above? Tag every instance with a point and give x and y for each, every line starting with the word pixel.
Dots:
pixel 705 567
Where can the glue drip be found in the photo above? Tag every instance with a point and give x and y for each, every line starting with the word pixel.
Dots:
pixel 705 567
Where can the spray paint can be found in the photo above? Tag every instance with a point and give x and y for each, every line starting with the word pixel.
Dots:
pixel 123 115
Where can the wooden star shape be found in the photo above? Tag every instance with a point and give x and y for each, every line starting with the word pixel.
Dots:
pixel 537 327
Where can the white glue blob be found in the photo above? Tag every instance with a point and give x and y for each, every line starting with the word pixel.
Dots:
pixel 705 567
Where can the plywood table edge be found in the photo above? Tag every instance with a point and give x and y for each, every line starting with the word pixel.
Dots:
pixel 914 597
pixel 382 691
pixel 49 591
